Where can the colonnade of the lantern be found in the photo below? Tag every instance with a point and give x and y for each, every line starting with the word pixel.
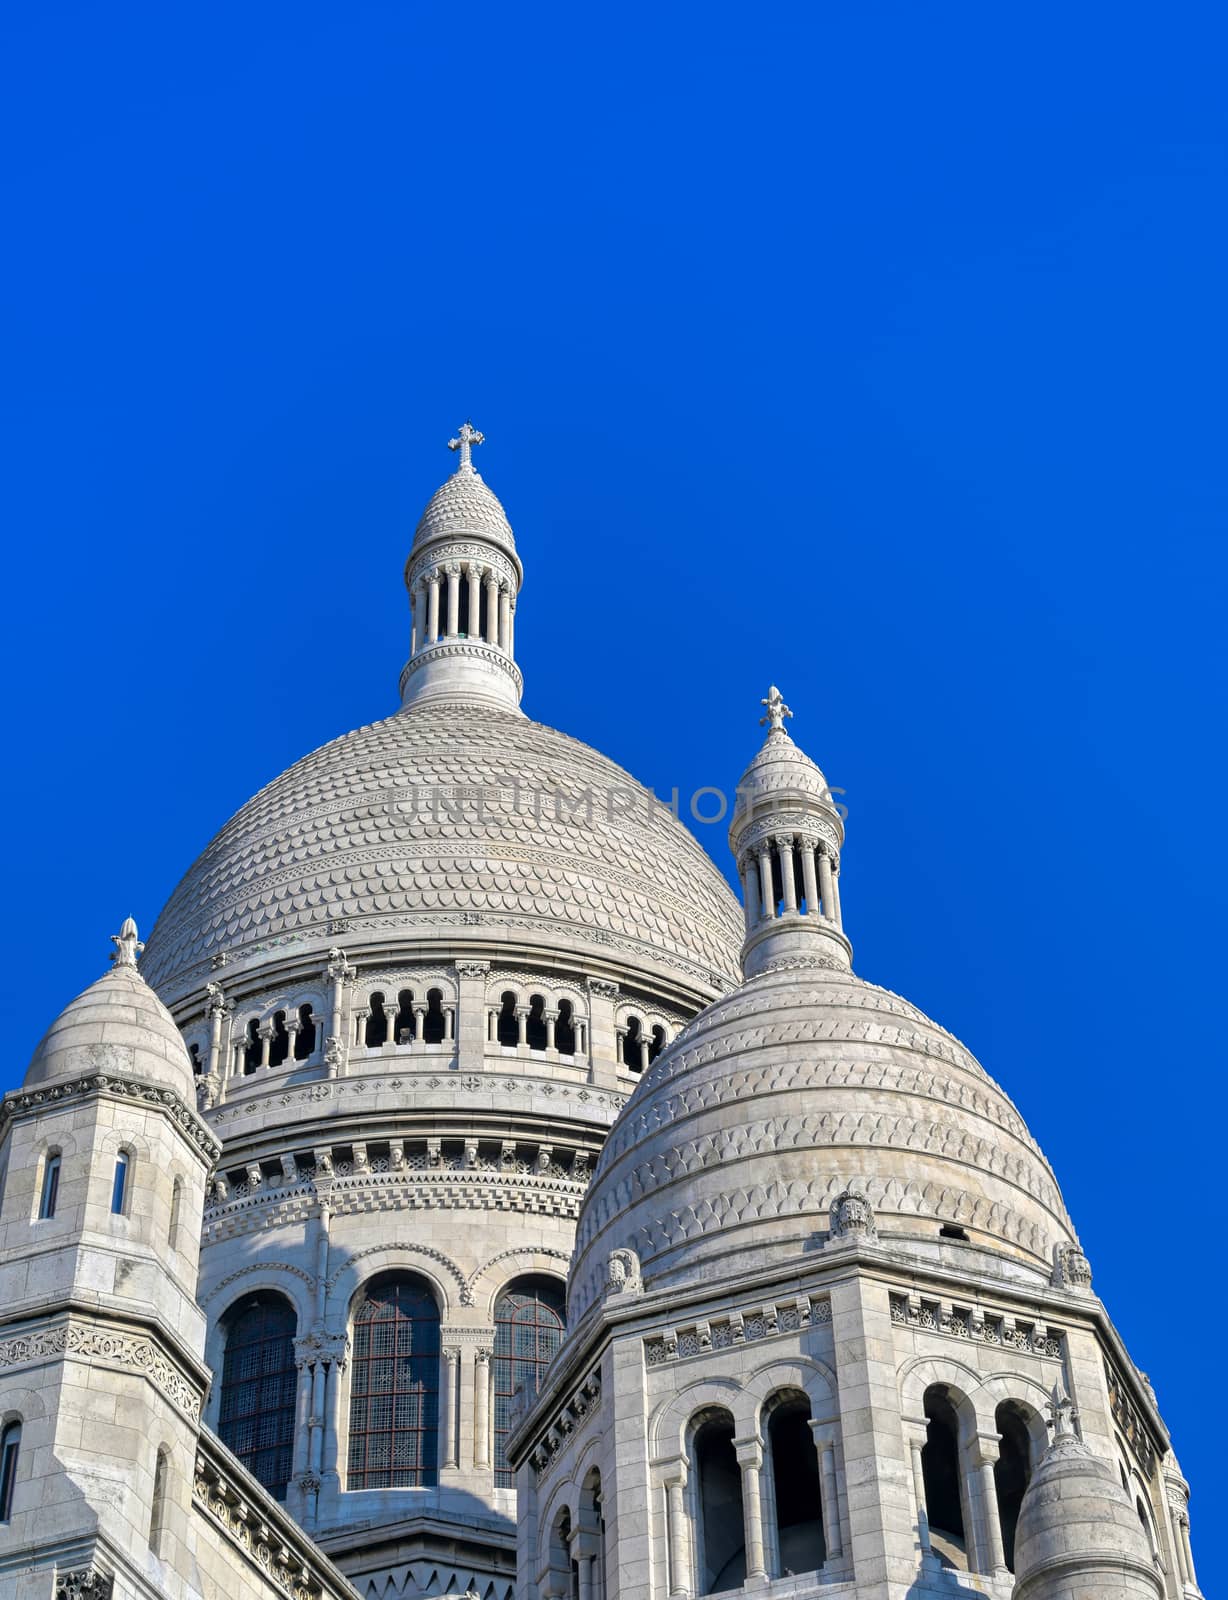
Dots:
pixel 436 596
pixel 787 873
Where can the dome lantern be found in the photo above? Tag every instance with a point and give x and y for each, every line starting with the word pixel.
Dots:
pixel 463 577
pixel 786 836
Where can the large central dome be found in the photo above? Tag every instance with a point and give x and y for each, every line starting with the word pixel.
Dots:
pixel 448 815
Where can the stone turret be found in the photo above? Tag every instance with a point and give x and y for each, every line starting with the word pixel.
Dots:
pixel 1079 1537
pixel 463 576
pixel 785 835
pixel 105 1162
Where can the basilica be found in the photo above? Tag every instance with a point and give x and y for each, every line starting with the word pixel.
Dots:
pixel 461 1194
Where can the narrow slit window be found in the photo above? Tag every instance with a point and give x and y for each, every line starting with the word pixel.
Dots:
pixel 51 1187
pixel 10 1446
pixel 119 1184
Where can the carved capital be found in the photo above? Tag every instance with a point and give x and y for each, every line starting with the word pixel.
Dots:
pixel 84 1583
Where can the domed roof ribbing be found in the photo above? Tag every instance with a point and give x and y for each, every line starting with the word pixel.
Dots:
pixel 375 828
pixel 117 1026
pixel 775 1100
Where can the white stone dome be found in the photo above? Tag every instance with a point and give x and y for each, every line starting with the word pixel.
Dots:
pixel 775 1100
pixel 117 1027
pixel 464 505
pixel 371 840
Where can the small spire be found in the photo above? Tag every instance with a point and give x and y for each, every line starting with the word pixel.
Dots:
pixel 777 710
pixel 466 437
pixel 127 945
pixel 1062 1414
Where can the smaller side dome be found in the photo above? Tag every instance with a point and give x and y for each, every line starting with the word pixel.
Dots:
pixel 116 1026
pixel 1077 1525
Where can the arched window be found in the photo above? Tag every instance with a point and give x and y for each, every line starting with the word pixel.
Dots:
pixel 251 1055
pixel 305 1038
pixel 258 1382
pixel 119 1184
pixel 198 1065
pixel 50 1191
pixel 157 1515
pixel 718 1500
pixel 279 1044
pixel 10 1448
pixel 433 1024
pixel 528 1331
pixel 565 1029
pixel 798 1496
pixel 631 1045
pixel 1011 1472
pixel 535 1032
pixel 394 1386
pixel 941 1474
pixel 508 1028
pixel 405 1016
pixel 377 1023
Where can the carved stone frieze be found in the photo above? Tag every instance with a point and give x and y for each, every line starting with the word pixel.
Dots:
pixel 129 1351
pixel 976 1325
pixel 29 1102
pixel 734 1328
pixel 566 1421
pixel 84 1583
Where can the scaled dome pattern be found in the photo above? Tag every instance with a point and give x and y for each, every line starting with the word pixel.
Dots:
pixel 117 1025
pixel 464 504
pixel 342 837
pixel 779 1097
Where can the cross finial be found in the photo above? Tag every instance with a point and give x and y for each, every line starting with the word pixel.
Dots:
pixel 777 710
pixel 466 437
pixel 127 945
pixel 1062 1414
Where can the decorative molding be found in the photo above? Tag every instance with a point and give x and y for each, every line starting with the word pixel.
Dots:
pixel 464 1292
pixel 972 1324
pixel 516 1250
pixel 84 1583
pixel 25 1102
pixel 1130 1420
pixel 568 1419
pixel 735 1328
pixel 258 1266
pixel 131 1352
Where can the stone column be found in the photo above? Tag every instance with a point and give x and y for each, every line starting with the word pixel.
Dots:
pixel 826 886
pixel 505 625
pixel 767 894
pixel 825 1444
pixel 750 895
pixel 265 1034
pixel 492 608
pixel 303 1358
pixel 432 612
pixel 319 1402
pixel 750 1458
pixel 784 854
pixel 474 630
pixel 838 918
pixel 415 620
pixel 674 1477
pixel 809 885
pixel 292 1027
pixel 603 1042
pixel 239 1062
pixel 419 1023
pixel 551 1018
pixel 645 1043
pixel 511 625
pixel 522 1026
pixel 983 1451
pixel 449 1383
pixel 916 1443
pixel 332 1418
pixel 453 571
pixel 1187 1555
pixel 583 1545
pixel 481 1407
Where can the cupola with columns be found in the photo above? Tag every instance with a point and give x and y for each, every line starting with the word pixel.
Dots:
pixel 785 836
pixel 463 576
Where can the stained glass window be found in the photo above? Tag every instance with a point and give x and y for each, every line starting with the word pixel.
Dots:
pixel 394 1387
pixel 528 1331
pixel 258 1388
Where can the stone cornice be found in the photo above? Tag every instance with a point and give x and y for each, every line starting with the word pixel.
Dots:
pixel 256 1525
pixel 127 1349
pixel 31 1102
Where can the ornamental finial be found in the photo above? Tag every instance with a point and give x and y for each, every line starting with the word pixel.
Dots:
pixel 127 945
pixel 777 710
pixel 466 437
pixel 1062 1413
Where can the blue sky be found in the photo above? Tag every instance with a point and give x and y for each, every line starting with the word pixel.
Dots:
pixel 875 351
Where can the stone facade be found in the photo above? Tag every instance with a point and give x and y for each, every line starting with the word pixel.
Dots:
pixel 451 1018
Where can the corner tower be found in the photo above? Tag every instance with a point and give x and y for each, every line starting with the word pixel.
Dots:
pixel 463 577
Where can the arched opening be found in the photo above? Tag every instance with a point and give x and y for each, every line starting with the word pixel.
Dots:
pixel 798 1495
pixel 718 1491
pixel 157 1514
pixel 1011 1473
pixel 658 1043
pixel 483 611
pixel 119 1184
pixel 528 1332
pixel 507 1028
pixel 404 1023
pixel 535 1032
pixel 305 1038
pixel 10 1449
pixel 564 1574
pixel 376 1031
pixel 462 614
pixel 279 1045
pixel 434 1023
pixel 941 1473
pixel 49 1193
pixel 172 1231
pixel 394 1387
pixel 631 1045
pixel 251 1054
pixel 198 1065
pixel 591 1544
pixel 256 1413
pixel 565 1029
